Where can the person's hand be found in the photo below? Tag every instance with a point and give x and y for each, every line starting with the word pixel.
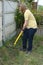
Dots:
pixel 22 29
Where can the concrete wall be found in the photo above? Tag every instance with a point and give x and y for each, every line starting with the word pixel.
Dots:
pixel 10 25
pixel 0 23
pixel 8 19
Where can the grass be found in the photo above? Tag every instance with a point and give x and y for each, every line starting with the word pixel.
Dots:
pixel 10 55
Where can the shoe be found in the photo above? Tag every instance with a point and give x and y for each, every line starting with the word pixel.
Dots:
pixel 21 49
pixel 28 51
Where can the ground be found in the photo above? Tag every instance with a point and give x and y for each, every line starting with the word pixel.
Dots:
pixel 10 55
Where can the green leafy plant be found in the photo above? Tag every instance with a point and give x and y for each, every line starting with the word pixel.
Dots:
pixel 38 17
pixel 19 18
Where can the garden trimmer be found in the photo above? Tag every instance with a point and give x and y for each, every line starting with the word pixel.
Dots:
pixel 18 37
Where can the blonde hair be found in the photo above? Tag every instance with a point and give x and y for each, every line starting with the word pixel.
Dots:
pixel 23 6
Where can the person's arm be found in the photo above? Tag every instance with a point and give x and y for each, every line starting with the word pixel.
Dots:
pixel 26 17
pixel 25 24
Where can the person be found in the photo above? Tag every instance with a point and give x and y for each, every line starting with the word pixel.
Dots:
pixel 29 27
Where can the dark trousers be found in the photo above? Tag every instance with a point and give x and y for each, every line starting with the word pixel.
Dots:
pixel 28 34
